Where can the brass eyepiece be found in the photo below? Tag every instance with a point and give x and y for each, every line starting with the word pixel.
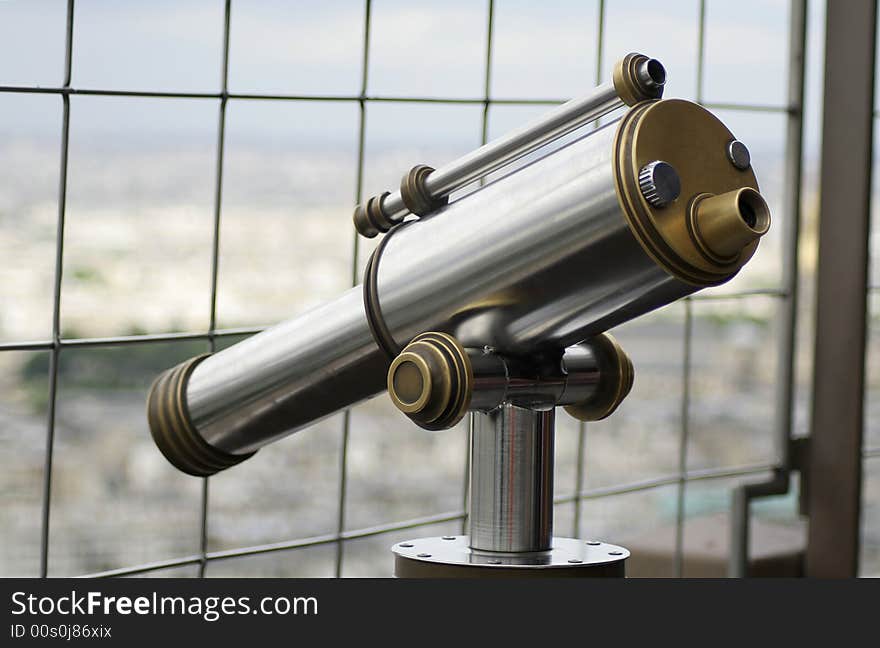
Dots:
pixel 725 225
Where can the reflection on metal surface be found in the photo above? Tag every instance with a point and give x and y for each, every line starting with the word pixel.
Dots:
pixel 636 78
pixel 512 479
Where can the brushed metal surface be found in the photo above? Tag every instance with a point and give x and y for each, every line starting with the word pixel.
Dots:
pixel 538 260
pixel 511 498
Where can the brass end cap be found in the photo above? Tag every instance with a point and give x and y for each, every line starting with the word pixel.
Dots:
pixel 637 77
pixel 369 218
pixel 173 431
pixel 431 381
pixel 616 376
pixel 711 228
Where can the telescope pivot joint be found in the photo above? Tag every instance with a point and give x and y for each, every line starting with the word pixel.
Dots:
pixel 435 380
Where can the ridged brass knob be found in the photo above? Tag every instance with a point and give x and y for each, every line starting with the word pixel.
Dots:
pixel 431 381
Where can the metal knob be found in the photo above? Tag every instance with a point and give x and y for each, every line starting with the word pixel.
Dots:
pixel 659 183
pixel 739 155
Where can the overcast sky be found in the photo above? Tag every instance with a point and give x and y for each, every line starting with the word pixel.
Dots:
pixel 540 50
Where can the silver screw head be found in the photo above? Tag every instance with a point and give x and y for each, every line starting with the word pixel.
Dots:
pixel 739 155
pixel 659 183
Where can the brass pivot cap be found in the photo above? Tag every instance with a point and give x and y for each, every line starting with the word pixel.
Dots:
pixel 637 77
pixel 431 381
pixel 616 375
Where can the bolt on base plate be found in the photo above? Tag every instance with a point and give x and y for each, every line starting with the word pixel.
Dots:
pixel 452 557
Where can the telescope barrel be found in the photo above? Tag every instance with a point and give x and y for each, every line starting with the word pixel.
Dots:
pixel 623 220
pixel 636 78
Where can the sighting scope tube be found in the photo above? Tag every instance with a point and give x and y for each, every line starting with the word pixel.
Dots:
pixel 623 220
pixel 636 78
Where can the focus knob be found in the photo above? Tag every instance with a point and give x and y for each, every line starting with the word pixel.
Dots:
pixel 659 183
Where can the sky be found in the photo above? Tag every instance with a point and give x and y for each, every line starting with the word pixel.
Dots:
pixel 540 50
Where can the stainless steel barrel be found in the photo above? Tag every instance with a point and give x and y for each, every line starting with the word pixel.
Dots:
pixel 619 222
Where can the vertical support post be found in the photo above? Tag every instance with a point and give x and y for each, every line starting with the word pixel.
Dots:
pixel 780 481
pixel 55 355
pixel 511 502
pixel 835 464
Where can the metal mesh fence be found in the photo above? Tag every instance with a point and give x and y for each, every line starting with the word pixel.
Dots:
pixel 685 474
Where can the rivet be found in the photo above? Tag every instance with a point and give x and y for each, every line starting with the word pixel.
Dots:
pixel 407 545
pixel 593 543
pixel 739 155
pixel 448 538
pixel 615 553
pixel 424 555
pixel 574 561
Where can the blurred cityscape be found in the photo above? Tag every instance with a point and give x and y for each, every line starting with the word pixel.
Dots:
pixel 137 260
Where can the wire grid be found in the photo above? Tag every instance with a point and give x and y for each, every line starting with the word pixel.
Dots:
pixel 57 344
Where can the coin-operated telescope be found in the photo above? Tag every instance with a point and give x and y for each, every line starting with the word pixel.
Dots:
pixel 496 304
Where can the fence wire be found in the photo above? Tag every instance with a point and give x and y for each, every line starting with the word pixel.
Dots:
pixel 57 345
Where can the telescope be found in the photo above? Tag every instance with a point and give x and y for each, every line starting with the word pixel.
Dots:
pixel 496 304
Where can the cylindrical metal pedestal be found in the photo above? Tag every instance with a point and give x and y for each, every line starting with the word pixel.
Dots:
pixel 511 512
pixel 512 480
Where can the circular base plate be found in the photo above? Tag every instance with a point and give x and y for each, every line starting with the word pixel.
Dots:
pixel 452 557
